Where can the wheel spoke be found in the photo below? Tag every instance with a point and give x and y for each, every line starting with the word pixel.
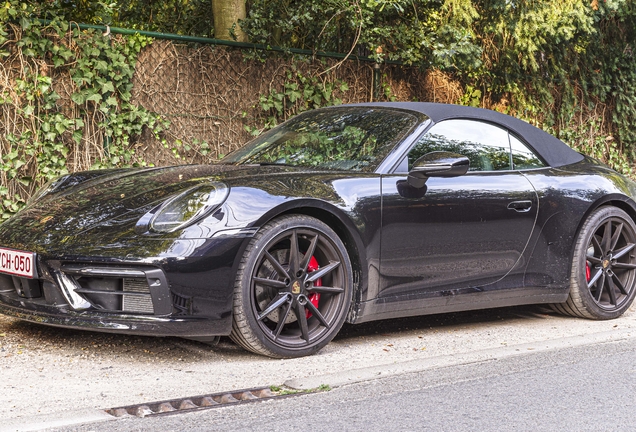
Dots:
pixel 325 289
pixel 599 290
pixel 607 233
pixel 597 245
pixel 270 282
pixel 294 253
pixel 302 321
pixel 623 251
pixel 594 260
pixel 309 253
pixel 281 321
pixel 315 275
pixel 592 281
pixel 624 266
pixel 277 302
pixel 616 236
pixel 277 266
pixel 611 289
pixel 619 284
pixel 315 312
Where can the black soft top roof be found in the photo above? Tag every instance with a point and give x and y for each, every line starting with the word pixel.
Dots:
pixel 553 151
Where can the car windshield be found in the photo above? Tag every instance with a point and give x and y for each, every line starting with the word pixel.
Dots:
pixel 348 138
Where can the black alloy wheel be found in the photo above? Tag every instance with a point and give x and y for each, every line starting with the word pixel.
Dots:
pixel 603 278
pixel 293 288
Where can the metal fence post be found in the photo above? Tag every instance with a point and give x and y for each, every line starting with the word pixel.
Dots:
pixel 377 82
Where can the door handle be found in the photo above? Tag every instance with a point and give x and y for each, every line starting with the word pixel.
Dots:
pixel 520 206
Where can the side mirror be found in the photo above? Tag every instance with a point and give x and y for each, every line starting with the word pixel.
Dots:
pixel 437 164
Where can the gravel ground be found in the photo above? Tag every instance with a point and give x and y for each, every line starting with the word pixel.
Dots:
pixel 46 369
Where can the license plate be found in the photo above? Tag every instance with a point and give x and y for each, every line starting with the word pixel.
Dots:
pixel 17 263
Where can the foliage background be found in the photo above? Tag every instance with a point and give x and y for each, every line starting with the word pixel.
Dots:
pixel 72 99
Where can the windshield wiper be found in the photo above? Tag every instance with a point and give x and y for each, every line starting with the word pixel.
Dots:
pixel 274 164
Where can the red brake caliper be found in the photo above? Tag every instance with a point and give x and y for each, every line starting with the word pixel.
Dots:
pixel 314 297
pixel 588 272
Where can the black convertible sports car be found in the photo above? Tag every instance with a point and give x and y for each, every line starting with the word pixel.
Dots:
pixel 351 213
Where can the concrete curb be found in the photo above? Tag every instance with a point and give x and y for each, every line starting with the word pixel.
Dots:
pixel 375 372
pixel 55 420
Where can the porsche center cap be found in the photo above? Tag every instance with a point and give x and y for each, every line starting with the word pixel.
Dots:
pixel 296 288
pixel 606 264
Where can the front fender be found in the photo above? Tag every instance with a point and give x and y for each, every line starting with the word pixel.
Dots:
pixel 350 206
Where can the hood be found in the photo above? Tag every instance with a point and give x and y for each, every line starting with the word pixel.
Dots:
pixel 110 199
pixel 102 207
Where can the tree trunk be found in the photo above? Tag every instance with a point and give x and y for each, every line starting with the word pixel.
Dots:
pixel 226 15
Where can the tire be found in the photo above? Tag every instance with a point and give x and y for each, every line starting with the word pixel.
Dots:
pixel 290 304
pixel 603 276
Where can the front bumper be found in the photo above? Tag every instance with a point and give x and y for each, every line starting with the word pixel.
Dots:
pixel 116 299
pixel 187 327
pixel 180 295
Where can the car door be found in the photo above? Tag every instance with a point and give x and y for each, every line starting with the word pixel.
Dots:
pixel 462 234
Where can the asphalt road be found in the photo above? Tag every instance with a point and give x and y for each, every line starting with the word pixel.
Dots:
pixel 582 388
pixel 51 376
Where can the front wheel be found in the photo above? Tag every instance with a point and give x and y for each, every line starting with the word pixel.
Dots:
pixel 603 277
pixel 293 288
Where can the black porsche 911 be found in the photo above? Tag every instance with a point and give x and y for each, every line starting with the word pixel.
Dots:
pixel 350 213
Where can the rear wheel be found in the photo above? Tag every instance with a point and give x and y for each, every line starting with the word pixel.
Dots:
pixel 603 276
pixel 293 288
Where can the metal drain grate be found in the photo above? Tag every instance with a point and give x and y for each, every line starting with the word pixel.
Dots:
pixel 193 403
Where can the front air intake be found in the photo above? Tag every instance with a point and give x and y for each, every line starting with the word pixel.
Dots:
pixel 136 296
pixel 120 289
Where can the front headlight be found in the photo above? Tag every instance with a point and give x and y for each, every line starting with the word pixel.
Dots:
pixel 188 207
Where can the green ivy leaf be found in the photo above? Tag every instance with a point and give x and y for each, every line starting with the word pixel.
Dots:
pixel 60 127
pixel 78 98
pixel 95 97
pixel 77 136
pixel 108 87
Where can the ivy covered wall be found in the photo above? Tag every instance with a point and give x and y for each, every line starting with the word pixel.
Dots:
pixel 75 99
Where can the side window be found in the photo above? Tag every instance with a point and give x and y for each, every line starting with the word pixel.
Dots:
pixel 486 146
pixel 522 156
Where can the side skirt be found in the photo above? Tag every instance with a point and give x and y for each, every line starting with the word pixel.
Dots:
pixel 445 301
